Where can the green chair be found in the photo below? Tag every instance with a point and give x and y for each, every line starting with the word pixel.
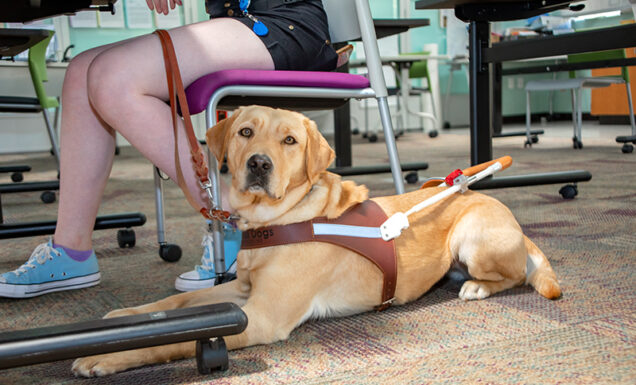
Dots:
pixel 576 85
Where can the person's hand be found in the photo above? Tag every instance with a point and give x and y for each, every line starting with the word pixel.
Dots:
pixel 161 6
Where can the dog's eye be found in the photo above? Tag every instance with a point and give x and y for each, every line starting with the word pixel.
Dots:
pixel 289 140
pixel 246 132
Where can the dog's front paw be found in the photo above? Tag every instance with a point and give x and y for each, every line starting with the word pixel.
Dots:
pixel 473 290
pixel 99 366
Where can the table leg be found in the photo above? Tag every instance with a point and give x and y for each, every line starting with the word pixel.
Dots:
pixel 497 116
pixel 405 91
pixel 342 135
pixel 480 94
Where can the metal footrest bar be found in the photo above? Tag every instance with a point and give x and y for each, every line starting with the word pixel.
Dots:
pixel 377 169
pixel 517 133
pixel 28 229
pixel 533 179
pixel 55 343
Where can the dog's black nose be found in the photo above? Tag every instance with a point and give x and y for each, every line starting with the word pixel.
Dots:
pixel 259 164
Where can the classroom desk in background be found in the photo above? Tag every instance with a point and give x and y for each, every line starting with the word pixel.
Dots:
pixel 484 55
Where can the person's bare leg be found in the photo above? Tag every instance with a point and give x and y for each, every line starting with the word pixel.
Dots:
pixel 86 161
pixel 131 99
pixel 127 89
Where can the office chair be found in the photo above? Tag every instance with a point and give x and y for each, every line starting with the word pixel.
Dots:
pixel 576 85
pixel 300 90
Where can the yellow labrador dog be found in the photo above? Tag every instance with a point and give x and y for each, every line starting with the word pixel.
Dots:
pixel 278 161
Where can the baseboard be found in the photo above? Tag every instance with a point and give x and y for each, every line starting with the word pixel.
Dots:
pixel 549 117
pixel 613 119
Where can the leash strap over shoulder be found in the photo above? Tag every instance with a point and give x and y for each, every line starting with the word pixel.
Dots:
pixel 177 94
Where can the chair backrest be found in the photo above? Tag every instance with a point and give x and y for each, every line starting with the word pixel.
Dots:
pixel 350 20
pixel 37 67
pixel 598 56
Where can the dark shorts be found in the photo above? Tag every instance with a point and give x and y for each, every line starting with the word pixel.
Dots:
pixel 298 37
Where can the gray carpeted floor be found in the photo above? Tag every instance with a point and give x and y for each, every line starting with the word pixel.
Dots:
pixel 586 337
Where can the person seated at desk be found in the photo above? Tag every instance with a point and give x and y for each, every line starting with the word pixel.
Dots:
pixel 122 88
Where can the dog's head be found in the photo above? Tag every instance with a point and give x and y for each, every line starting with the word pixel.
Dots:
pixel 270 152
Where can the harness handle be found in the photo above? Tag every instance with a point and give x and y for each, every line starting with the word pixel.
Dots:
pixel 505 162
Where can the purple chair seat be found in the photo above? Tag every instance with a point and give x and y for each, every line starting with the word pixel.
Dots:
pixel 201 90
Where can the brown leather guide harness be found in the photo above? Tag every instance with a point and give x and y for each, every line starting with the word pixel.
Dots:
pixel 375 249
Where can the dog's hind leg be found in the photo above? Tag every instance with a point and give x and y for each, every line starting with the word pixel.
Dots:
pixel 490 243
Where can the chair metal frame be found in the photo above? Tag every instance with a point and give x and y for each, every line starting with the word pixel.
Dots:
pixel 342 15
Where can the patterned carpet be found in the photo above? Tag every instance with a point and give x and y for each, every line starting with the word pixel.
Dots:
pixel 586 337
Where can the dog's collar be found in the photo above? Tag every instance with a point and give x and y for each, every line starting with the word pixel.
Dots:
pixel 357 229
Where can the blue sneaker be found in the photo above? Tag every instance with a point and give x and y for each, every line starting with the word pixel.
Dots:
pixel 49 269
pixel 203 275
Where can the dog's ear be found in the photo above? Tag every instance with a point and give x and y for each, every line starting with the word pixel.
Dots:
pixel 318 155
pixel 218 136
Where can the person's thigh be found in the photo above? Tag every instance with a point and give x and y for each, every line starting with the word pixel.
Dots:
pixel 137 66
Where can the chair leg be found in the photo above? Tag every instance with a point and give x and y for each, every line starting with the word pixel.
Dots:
pixel 446 123
pixel 161 215
pixel 631 108
pixel 216 226
pixel 391 147
pixel 528 138
pixel 579 121
pixel 574 118
pixel 52 137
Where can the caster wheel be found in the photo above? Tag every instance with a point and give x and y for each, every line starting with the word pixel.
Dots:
pixel 626 149
pixel 126 238
pixel 577 144
pixel 170 252
pixel 18 177
pixel 373 138
pixel 224 169
pixel 535 139
pixel 355 131
pixel 365 135
pixel 47 197
pixel 433 134
pixel 117 150
pixel 411 177
pixel 446 125
pixel 211 355
pixel 569 191
pixel 527 143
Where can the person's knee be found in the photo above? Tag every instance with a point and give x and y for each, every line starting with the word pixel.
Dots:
pixel 107 85
pixel 75 76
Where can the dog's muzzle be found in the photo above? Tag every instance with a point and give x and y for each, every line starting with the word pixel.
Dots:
pixel 259 167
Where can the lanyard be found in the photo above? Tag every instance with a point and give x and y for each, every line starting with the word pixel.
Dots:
pixel 259 28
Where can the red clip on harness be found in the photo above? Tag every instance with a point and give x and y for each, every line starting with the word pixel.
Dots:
pixel 450 179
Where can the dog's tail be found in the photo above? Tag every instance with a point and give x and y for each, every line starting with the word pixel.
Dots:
pixel 539 273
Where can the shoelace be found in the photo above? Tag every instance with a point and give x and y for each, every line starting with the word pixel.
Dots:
pixel 206 259
pixel 41 254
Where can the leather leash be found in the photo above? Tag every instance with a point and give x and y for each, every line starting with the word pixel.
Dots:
pixel 177 92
